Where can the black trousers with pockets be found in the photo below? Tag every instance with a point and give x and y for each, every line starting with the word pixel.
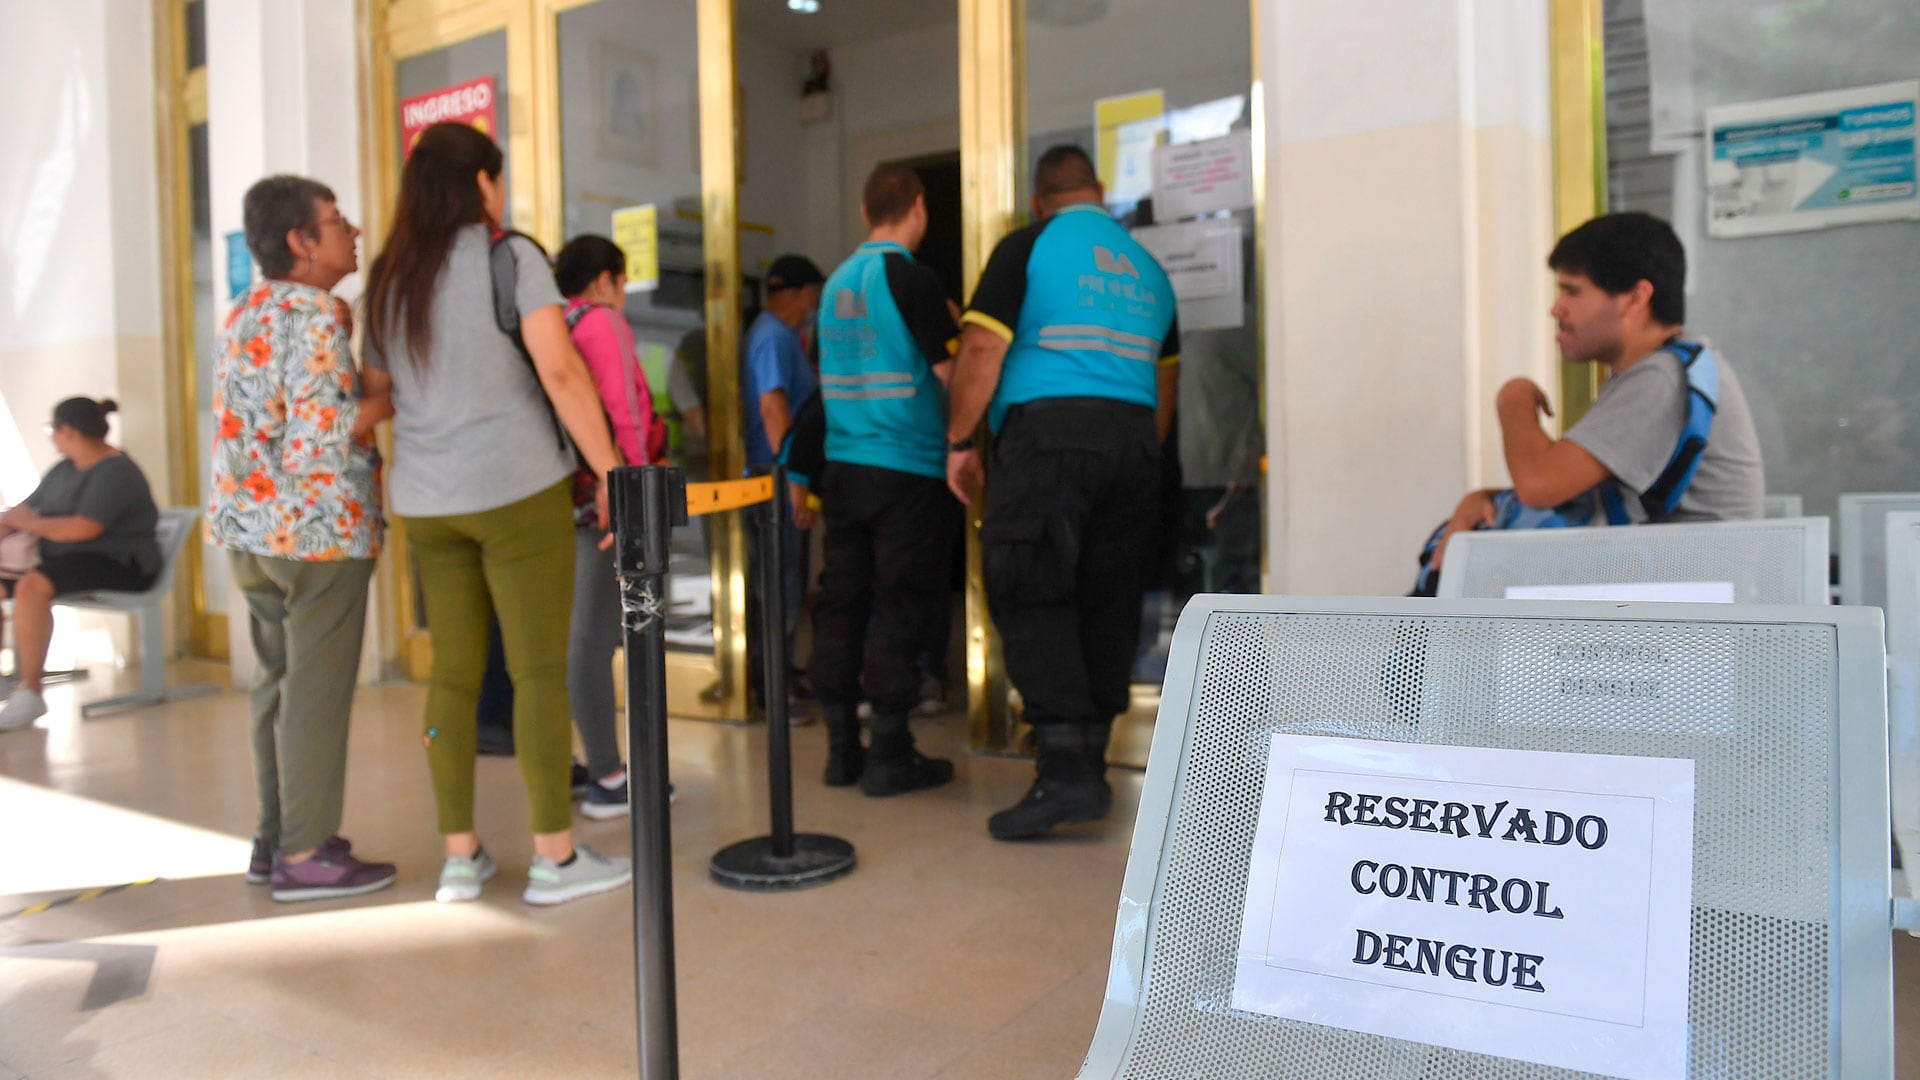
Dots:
pixel 1071 500
pixel 889 542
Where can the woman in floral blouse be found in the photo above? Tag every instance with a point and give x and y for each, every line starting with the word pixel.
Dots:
pixel 296 503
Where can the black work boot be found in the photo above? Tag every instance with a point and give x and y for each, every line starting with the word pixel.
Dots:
pixel 1071 785
pixel 846 758
pixel 894 767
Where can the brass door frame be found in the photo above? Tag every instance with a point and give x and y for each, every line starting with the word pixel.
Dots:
pixel 1577 74
pixel 700 685
pixel 993 139
pixel 180 102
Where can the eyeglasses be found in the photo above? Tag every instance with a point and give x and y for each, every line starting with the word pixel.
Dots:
pixel 337 219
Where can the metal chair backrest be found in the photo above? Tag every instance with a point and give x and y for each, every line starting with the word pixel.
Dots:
pixel 1780 708
pixel 1903 687
pixel 1863 537
pixel 1767 561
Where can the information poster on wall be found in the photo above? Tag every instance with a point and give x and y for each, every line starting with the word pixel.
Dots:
pixel 637 230
pixel 1203 177
pixel 239 266
pixel 1202 261
pixel 470 102
pixel 1523 904
pixel 1835 158
pixel 1126 129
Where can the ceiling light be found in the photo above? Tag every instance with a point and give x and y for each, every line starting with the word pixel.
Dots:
pixel 804 7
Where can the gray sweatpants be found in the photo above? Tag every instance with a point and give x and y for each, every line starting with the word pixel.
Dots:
pixel 593 637
pixel 306 620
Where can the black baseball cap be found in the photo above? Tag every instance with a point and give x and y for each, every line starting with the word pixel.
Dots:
pixel 793 272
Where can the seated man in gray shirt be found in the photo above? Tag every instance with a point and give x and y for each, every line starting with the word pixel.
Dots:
pixel 1622 302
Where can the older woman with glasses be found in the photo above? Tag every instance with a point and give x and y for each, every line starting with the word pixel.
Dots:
pixel 296 503
pixel 89 525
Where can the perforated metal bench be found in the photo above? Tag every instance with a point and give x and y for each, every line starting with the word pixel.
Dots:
pixel 1781 708
pixel 173 532
pixel 1767 561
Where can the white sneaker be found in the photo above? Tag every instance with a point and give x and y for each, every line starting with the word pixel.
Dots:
pixel 590 872
pixel 462 876
pixel 23 707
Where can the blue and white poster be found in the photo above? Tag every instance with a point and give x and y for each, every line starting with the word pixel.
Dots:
pixel 239 266
pixel 1835 158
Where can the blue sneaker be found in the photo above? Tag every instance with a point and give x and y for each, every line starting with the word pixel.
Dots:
pixel 605 803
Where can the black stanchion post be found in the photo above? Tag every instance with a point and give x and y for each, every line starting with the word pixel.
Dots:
pixel 646 503
pixel 783 859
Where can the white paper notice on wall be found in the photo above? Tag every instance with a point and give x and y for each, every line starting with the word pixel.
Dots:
pixel 1203 177
pixel 1672 592
pixel 1202 262
pixel 1524 904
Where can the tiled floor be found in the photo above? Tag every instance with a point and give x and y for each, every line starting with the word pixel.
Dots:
pixel 943 955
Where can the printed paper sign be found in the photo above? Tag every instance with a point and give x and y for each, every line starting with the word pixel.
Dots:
pixel 1672 592
pixel 1804 162
pixel 239 266
pixel 1523 904
pixel 1202 263
pixel 470 102
pixel 637 230
pixel 1203 177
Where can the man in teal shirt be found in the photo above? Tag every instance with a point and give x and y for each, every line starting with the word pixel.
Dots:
pixel 1070 350
pixel 886 339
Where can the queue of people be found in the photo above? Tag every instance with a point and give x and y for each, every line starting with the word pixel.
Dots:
pixel 513 387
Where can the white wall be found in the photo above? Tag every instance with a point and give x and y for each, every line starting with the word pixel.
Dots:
pixel 79 252
pixel 1408 213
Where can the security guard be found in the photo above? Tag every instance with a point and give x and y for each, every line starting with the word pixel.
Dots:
pixel 886 343
pixel 1071 339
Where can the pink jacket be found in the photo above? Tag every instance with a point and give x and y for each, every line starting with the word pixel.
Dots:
pixel 605 341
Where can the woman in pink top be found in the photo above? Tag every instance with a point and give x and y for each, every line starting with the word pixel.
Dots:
pixel 591 273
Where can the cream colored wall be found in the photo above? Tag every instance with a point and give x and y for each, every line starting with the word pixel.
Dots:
pixel 1407 214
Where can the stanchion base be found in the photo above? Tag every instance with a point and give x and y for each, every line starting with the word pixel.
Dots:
pixel 751 865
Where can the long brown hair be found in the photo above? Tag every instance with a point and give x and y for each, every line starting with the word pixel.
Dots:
pixel 439 194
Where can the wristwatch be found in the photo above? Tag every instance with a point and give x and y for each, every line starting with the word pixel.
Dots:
pixel 960 446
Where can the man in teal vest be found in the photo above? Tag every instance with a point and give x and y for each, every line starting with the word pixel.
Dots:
pixel 1071 352
pixel 886 341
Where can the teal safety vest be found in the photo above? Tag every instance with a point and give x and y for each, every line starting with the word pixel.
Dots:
pixel 882 400
pixel 1096 310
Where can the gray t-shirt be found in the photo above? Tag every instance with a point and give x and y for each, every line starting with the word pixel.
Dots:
pixel 114 493
pixel 472 429
pixel 1635 425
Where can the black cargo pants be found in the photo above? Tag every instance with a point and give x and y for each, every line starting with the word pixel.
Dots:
pixel 1071 498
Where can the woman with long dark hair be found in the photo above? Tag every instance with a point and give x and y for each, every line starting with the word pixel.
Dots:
pixel 89 525
pixel 482 481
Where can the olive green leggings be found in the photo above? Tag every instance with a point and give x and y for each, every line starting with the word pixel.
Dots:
pixel 515 561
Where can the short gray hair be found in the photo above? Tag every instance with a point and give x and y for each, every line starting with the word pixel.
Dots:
pixel 274 207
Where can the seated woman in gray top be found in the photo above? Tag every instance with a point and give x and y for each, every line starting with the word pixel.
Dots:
pixel 93 520
pixel 483 479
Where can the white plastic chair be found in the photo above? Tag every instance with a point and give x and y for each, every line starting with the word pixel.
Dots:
pixel 1903 688
pixel 1783 715
pixel 174 530
pixel 1863 537
pixel 1782 506
pixel 1777 561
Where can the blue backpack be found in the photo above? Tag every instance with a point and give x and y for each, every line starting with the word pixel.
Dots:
pixel 1658 502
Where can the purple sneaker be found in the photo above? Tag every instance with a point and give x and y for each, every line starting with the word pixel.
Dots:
pixel 260 864
pixel 332 872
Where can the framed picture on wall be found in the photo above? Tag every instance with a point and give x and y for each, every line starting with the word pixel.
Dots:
pixel 626 98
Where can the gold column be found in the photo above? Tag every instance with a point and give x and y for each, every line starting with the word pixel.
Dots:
pixel 1579 153
pixel 720 232
pixel 993 73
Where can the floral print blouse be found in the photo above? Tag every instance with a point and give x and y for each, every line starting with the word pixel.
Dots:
pixel 289 478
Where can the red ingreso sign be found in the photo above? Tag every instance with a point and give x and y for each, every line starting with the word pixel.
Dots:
pixel 469 102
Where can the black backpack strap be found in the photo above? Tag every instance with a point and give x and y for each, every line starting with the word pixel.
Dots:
pixel 504 265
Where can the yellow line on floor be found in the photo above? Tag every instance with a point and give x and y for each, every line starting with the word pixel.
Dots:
pixel 76 898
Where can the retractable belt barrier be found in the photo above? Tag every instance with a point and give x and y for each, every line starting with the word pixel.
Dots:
pixel 646 502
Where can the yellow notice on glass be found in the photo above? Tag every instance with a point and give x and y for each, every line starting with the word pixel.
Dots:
pixel 637 230
pixel 1127 129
